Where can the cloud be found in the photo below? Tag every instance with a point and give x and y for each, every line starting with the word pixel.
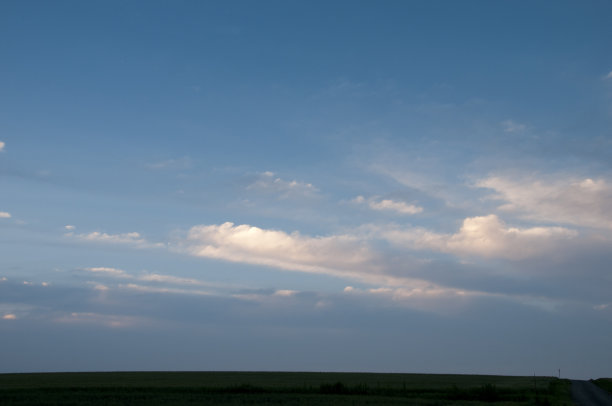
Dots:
pixel 155 278
pixel 175 280
pixel 69 227
pixel 343 256
pixel 5 215
pixel 266 296
pixel 153 289
pixel 582 202
pixel 268 182
pixel 389 205
pixel 285 292
pixel 484 236
pixel 336 254
pixel 2 145
pixel 108 320
pixel 114 272
pixel 133 239
pixel 9 317
pixel 609 75
pixel 511 126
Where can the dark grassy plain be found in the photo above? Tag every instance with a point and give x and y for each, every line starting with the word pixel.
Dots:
pixel 278 388
pixel 605 383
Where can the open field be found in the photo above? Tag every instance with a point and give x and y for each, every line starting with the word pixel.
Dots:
pixel 605 383
pixel 287 388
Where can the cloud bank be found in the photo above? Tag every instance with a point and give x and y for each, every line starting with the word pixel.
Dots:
pixel 336 254
pixel 389 205
pixel 581 202
pixel 484 236
pixel 133 239
pixel 268 182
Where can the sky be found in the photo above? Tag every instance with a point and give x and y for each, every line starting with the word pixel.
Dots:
pixel 398 186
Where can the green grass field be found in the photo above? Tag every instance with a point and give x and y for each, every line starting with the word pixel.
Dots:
pixel 281 388
pixel 605 383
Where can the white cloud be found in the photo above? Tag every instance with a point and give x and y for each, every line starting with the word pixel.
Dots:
pixel 428 297
pixel 155 278
pixel 582 202
pixel 344 256
pixel 268 182
pixel 153 289
pixel 286 292
pixel 132 239
pixel 336 254
pixel 108 320
pixel 114 272
pixel 9 317
pixel 485 236
pixel 389 205
pixel 263 297
pixel 5 215
pixel 69 227
pixel 609 75
pixel 175 280
pixel 2 145
pixel 511 126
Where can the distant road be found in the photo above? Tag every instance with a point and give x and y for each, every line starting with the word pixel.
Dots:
pixel 586 393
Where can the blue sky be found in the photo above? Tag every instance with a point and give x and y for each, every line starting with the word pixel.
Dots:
pixel 327 186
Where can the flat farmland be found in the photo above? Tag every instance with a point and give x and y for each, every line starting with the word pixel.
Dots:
pixel 286 388
pixel 605 383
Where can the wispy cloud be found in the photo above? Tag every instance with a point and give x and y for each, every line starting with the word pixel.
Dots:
pixel 349 256
pixel 109 320
pixel 114 272
pixel 511 126
pixel 268 182
pixel 583 202
pixel 399 207
pixel 336 254
pixel 485 236
pixel 133 239
pixel 5 215
pixel 175 280
pixel 2 145
pixel 609 75
pixel 155 289
pixel 155 278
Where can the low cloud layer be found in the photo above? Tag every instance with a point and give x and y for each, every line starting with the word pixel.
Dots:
pixel 581 202
pixel 337 254
pixel 389 205
pixel 485 236
pixel 133 239
pixel 269 183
